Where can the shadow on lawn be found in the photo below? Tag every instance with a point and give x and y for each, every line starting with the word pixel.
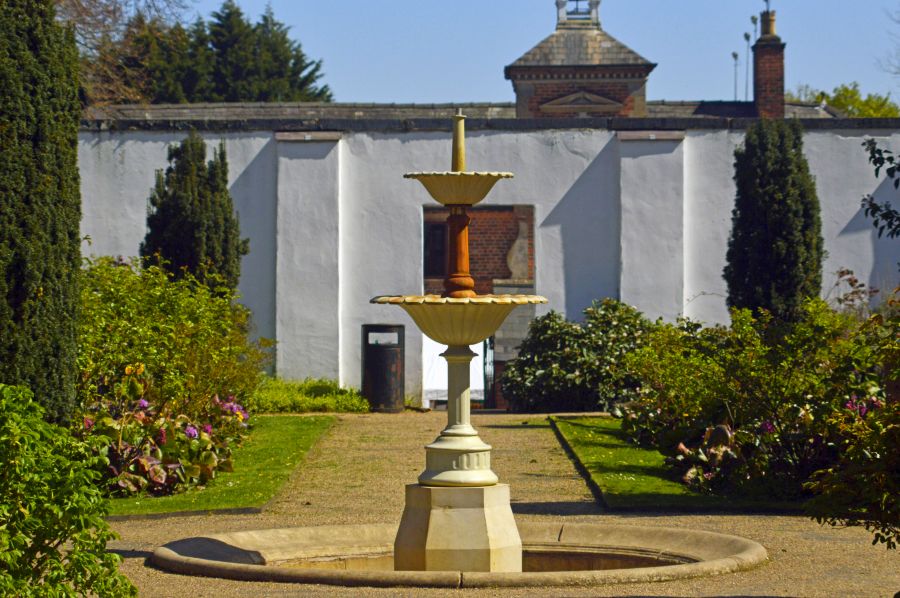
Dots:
pixel 557 508
pixel 522 426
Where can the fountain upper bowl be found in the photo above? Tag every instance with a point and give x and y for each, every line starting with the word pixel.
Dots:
pixel 458 322
pixel 458 188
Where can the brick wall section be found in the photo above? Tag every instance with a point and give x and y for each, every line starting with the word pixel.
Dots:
pixel 492 232
pixel 546 92
pixel 768 77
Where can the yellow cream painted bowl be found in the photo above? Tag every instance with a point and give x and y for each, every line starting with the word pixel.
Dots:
pixel 458 188
pixel 459 321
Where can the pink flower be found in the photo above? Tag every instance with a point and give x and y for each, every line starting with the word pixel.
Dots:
pixel 767 427
pixel 88 423
pixel 143 404
pixel 207 428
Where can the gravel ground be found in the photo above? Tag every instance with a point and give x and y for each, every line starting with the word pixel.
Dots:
pixel 357 472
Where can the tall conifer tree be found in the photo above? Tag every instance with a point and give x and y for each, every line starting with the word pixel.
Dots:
pixel 775 250
pixel 233 44
pixel 191 223
pixel 40 204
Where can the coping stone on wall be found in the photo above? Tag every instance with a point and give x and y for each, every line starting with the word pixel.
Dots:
pixel 472 124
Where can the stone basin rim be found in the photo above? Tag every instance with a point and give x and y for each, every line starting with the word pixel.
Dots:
pixel 712 554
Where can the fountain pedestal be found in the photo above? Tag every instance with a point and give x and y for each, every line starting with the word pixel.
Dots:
pixel 458 529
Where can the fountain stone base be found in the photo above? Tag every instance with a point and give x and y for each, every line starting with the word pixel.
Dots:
pixel 458 529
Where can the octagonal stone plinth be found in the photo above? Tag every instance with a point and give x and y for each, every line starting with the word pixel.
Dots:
pixel 458 529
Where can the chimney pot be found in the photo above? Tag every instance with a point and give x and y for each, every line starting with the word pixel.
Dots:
pixel 768 22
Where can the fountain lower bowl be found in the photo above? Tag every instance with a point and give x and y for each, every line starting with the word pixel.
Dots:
pixel 457 322
pixel 554 554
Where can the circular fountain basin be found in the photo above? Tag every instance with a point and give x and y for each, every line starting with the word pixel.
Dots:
pixel 464 321
pixel 554 554
pixel 458 188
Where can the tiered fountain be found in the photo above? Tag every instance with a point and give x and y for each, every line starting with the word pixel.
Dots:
pixel 457 528
pixel 458 518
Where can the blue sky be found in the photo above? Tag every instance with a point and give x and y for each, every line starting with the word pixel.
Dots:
pixel 455 50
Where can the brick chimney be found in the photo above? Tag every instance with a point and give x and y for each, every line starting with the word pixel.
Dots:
pixel 768 70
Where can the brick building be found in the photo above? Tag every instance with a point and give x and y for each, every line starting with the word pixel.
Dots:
pixel 581 71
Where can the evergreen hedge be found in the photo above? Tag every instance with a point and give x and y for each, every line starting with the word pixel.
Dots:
pixel 191 223
pixel 775 250
pixel 40 204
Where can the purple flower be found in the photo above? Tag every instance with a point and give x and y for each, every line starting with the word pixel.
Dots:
pixel 766 427
pixel 207 428
pixel 143 404
pixel 190 432
pixel 161 436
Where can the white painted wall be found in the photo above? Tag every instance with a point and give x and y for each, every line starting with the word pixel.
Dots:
pixel 652 237
pixel 333 224
pixel 307 305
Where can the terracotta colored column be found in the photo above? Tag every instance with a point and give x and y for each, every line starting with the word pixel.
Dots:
pixel 459 283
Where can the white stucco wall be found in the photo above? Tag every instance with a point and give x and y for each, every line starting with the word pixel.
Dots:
pixel 652 238
pixel 333 223
pixel 308 290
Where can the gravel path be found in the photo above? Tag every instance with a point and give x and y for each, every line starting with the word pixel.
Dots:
pixel 357 473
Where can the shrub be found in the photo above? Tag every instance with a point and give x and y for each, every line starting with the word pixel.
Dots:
pixel 310 395
pixel 564 366
pixel 40 204
pixel 155 356
pixel 863 486
pixel 53 535
pixel 191 224
pixel 738 413
pixel 775 251
pixel 191 341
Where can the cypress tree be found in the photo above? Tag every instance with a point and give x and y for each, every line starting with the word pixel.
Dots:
pixel 775 250
pixel 191 222
pixel 40 204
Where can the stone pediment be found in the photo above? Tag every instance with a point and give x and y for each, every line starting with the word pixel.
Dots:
pixel 582 102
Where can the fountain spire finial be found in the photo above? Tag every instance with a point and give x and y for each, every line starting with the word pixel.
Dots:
pixel 458 161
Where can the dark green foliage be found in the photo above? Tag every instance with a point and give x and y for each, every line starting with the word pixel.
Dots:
pixel 564 366
pixel 232 41
pixel 191 223
pixel 228 59
pixel 775 250
pixel 53 534
pixel 40 206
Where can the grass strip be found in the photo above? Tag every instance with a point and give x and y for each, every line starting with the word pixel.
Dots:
pixel 631 478
pixel 262 465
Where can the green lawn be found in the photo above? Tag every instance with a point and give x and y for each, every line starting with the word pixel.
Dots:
pixel 261 466
pixel 629 477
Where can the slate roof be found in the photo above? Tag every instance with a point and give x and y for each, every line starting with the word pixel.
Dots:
pixel 725 109
pixel 580 44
